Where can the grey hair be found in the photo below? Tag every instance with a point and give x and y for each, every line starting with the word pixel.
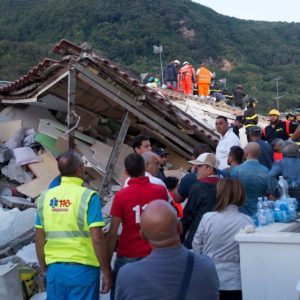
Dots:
pixel 69 162
pixel 278 141
pixel 290 149
pixel 148 155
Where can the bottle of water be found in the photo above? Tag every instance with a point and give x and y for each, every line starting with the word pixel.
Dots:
pixel 283 188
pixel 292 209
pixel 262 213
pixel 269 210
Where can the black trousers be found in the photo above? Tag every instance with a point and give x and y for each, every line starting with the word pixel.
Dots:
pixel 231 295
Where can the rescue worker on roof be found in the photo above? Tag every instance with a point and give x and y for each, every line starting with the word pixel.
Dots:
pixel 70 244
pixel 250 116
pixel 203 79
pixel 291 116
pixel 280 129
pixel 186 78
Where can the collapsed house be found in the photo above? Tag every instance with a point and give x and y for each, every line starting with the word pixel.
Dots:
pixel 84 101
pixel 104 108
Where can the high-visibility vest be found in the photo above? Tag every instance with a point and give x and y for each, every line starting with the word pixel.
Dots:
pixel 63 215
pixel 203 76
pixel 186 70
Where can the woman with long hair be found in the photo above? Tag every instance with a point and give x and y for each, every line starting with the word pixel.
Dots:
pixel 215 236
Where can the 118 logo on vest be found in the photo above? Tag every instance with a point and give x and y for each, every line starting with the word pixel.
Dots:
pixel 60 205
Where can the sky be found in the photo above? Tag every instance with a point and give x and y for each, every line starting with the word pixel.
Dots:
pixel 258 10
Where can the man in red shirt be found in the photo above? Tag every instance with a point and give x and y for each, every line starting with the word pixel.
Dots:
pixel 127 207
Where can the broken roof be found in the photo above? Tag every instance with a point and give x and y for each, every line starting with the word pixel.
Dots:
pixel 104 89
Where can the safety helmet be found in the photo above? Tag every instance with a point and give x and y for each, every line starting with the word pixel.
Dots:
pixel 176 61
pixel 251 100
pixel 290 113
pixel 186 63
pixel 274 112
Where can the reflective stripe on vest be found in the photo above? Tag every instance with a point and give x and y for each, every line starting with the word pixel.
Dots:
pixel 186 71
pixel 41 207
pixel 251 118
pixel 66 234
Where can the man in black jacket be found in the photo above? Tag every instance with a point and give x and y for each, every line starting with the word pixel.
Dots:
pixel 202 196
pixel 170 73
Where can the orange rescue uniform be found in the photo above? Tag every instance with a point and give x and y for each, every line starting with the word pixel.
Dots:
pixel 186 74
pixel 203 76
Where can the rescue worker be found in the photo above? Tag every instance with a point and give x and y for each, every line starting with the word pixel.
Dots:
pixel 203 79
pixel 170 74
pixel 186 78
pixel 280 129
pixel 70 244
pixel 250 117
pixel 239 96
pixel 292 117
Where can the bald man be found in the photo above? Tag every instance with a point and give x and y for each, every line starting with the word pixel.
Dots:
pixel 253 177
pixel 164 274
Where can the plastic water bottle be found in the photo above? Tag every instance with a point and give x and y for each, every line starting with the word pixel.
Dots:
pixel 262 213
pixel 283 188
pixel 269 210
pixel 292 208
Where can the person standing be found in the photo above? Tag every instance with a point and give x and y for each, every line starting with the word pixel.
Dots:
pixel 170 73
pixel 127 207
pixel 186 78
pixel 70 244
pixel 280 129
pixel 202 196
pixel 239 96
pixel 227 140
pixel 250 116
pixel 288 167
pixel 215 237
pixel 266 152
pixel 163 159
pixel 253 177
pixel 203 80
pixel 237 125
pixel 141 144
pixel 170 271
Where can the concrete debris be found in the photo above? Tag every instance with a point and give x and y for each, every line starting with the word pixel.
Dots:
pixel 9 283
pixel 16 140
pixel 15 172
pixel 28 255
pixel 15 227
pixel 5 154
pixel 19 202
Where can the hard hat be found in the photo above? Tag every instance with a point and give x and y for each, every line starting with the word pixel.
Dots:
pixel 274 112
pixel 290 113
pixel 176 61
pixel 186 63
pixel 251 100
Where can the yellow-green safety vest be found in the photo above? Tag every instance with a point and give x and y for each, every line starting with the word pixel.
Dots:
pixel 63 215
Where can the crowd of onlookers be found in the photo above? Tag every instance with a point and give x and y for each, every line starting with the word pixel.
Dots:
pixel 174 237
pixel 219 196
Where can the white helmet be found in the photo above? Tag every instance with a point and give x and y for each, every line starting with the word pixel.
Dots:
pixel 186 63
pixel 176 61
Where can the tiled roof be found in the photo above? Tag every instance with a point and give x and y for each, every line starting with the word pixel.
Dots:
pixel 84 56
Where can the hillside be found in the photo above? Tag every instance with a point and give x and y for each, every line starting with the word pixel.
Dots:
pixel 125 31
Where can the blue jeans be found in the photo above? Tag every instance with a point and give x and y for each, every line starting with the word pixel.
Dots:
pixel 120 262
pixel 72 281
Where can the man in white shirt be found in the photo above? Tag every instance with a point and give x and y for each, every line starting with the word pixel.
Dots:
pixel 227 140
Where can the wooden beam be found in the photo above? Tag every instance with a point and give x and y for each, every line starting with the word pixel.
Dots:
pixel 71 106
pixel 142 113
pixel 105 184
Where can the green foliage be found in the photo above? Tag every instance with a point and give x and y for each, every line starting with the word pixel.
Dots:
pixel 126 30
